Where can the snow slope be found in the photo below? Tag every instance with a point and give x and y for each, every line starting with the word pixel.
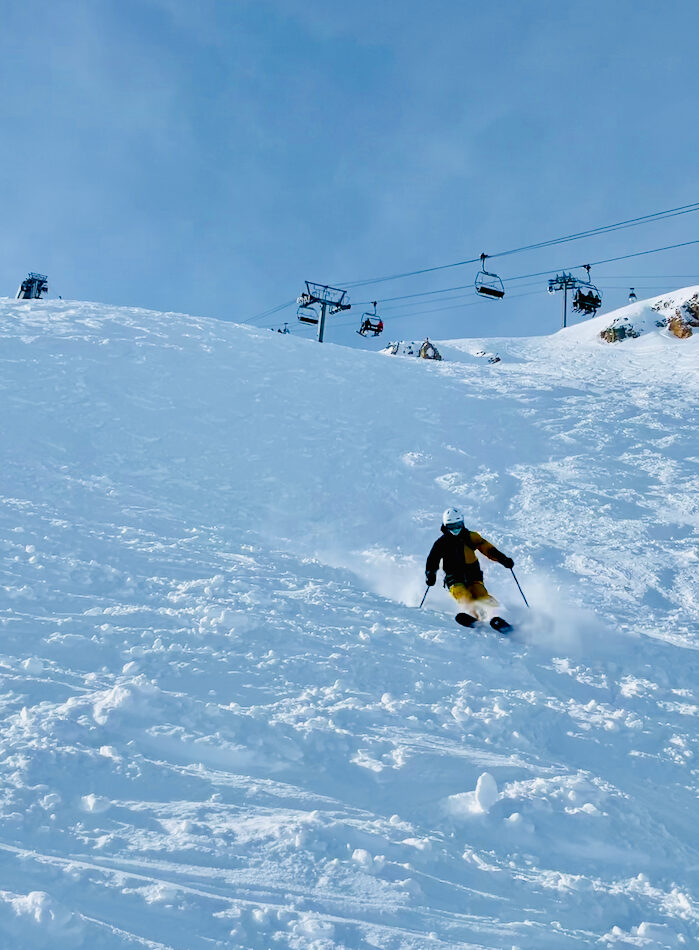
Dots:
pixel 224 721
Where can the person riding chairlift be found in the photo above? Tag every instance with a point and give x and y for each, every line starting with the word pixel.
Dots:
pixel 368 326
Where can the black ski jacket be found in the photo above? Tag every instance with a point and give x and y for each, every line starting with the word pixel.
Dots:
pixel 457 554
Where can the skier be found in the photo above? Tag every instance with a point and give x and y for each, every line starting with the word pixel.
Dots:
pixel 456 551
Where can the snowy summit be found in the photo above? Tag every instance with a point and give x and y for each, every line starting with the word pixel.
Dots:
pixel 226 722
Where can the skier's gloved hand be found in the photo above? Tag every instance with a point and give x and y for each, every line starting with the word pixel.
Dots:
pixel 507 562
pixel 430 578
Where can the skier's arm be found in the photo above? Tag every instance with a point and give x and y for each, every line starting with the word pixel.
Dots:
pixel 433 561
pixel 490 551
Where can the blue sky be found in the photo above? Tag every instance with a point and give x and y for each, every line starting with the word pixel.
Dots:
pixel 209 156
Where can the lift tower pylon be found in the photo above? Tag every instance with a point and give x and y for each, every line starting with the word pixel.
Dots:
pixel 587 299
pixel 564 282
pixel 33 286
pixel 330 299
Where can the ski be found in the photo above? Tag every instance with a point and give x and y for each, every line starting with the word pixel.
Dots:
pixel 501 625
pixel 497 623
pixel 466 620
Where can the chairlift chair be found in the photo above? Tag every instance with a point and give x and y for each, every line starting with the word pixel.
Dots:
pixel 587 301
pixel 487 283
pixel 307 314
pixel 587 298
pixel 371 323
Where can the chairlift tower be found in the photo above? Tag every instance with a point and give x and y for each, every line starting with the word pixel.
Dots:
pixel 329 299
pixel 587 299
pixel 33 286
pixel 564 282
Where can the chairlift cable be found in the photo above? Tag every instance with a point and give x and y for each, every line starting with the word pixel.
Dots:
pixel 457 306
pixel 411 273
pixel 272 310
pixel 509 280
pixel 609 260
pixel 620 226
pixel 685 209
pixel 537 274
pixel 651 277
pixel 607 228
pixel 603 286
pixel 424 293
pixel 626 257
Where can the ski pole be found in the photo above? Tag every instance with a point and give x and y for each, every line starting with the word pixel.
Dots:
pixel 424 595
pixel 520 589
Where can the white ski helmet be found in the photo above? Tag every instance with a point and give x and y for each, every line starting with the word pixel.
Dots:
pixel 453 517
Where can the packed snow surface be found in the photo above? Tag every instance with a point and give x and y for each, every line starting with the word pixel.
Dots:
pixel 225 721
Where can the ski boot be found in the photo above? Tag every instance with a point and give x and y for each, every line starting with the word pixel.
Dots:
pixel 502 626
pixel 466 620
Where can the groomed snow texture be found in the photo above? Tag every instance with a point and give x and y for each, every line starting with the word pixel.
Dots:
pixel 225 722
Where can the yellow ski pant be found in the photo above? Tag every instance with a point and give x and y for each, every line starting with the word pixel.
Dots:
pixel 474 599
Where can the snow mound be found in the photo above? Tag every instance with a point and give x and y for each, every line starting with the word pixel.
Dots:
pixel 37 920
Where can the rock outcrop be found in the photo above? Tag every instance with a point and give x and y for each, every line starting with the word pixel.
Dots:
pixel 620 329
pixel 426 350
pixel 680 321
pixel 684 319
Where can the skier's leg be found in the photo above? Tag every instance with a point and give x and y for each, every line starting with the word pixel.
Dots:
pixel 477 604
pixel 483 604
pixel 466 616
pixel 460 593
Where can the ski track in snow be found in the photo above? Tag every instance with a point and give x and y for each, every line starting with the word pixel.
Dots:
pixel 225 724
